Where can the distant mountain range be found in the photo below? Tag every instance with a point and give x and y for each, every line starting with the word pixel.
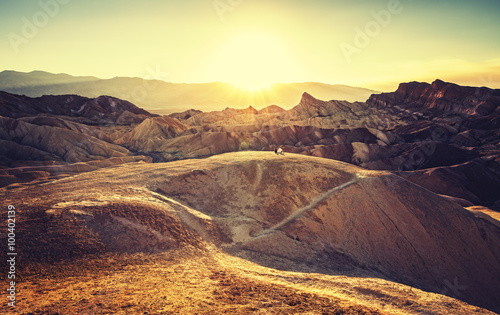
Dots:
pixel 161 97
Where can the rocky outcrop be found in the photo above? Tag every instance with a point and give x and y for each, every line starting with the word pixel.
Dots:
pixel 309 112
pixel 63 134
pixel 228 116
pixel 61 144
pixel 477 181
pixel 99 132
pixel 53 147
pixel 100 110
pixel 211 140
pixel 420 126
pixel 440 97
pixel 452 125
pixel 186 114
pixel 312 107
pixel 149 135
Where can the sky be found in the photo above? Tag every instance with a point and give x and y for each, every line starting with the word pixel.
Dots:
pixel 252 43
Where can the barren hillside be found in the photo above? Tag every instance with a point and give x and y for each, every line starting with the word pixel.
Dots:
pixel 242 232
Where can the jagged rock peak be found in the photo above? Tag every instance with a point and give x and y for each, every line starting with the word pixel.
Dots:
pixel 307 98
pixel 439 84
pixel 251 110
pixel 440 97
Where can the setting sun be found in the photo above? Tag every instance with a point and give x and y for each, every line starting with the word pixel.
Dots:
pixel 253 61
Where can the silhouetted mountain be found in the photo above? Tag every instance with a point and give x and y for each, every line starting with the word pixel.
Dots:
pixel 161 97
pixel 31 80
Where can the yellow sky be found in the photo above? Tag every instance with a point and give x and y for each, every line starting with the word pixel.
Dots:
pixel 373 44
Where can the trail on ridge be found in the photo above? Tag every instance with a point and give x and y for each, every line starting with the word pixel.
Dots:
pixel 299 212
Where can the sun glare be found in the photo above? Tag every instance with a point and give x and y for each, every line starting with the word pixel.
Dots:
pixel 253 62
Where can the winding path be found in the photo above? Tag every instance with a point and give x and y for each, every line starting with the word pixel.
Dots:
pixel 299 212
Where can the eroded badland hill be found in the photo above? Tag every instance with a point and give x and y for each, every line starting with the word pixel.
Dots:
pixel 250 232
pixel 388 206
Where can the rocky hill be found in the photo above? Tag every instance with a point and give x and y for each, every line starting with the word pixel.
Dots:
pixel 309 112
pixel 402 189
pixel 100 110
pixel 291 212
pixel 423 132
pixel 54 135
pixel 440 98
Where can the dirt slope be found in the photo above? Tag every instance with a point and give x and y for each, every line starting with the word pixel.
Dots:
pixel 290 212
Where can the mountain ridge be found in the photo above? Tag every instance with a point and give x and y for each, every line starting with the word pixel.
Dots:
pixel 165 97
pixel 402 131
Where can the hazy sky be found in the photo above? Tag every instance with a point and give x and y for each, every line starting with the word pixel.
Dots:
pixel 373 44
